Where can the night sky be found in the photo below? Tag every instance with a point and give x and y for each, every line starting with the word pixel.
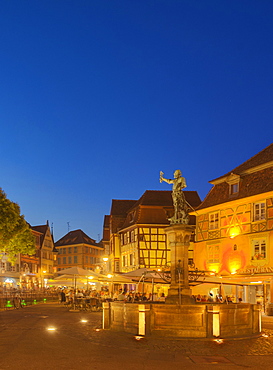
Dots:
pixel 96 97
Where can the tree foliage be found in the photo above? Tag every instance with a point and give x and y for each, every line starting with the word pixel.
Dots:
pixel 15 234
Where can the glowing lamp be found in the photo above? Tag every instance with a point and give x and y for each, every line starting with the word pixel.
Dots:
pixel 234 231
pixel 109 276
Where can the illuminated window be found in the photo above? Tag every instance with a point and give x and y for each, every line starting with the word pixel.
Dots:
pixel 213 253
pixel 214 221
pixel 141 237
pixel 116 266
pixel 124 261
pixel 259 249
pixel 259 211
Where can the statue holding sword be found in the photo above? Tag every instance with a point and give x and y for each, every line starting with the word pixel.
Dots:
pixel 180 204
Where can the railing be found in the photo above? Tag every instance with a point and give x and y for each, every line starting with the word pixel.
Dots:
pixel 12 300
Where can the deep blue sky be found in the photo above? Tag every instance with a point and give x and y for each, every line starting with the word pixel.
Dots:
pixel 96 97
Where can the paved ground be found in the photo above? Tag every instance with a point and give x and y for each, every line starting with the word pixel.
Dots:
pixel 26 344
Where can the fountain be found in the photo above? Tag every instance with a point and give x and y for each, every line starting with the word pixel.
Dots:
pixel 180 316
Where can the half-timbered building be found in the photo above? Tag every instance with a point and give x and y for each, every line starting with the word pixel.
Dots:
pixel 137 236
pixel 234 227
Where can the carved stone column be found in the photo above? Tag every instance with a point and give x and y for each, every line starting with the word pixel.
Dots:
pixel 178 237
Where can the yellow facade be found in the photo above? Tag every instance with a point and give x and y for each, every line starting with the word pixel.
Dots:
pixel 238 244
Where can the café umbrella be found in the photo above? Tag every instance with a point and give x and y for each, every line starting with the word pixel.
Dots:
pixel 77 272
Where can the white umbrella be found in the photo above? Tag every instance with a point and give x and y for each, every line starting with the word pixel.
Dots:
pixel 116 279
pixel 75 272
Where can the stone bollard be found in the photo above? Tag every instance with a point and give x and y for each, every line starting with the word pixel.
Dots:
pixel 106 315
pixel 213 329
pixel 144 311
pixel 269 309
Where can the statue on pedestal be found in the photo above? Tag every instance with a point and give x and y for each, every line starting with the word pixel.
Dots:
pixel 181 209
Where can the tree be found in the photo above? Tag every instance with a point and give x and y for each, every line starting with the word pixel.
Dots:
pixel 15 234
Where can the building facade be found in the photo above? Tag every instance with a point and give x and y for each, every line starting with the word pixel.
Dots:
pixel 78 249
pixel 47 254
pixel 137 236
pixel 30 276
pixel 234 228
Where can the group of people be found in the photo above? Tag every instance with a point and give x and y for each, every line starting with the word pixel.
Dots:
pixel 69 295
pixel 218 299
pixel 132 297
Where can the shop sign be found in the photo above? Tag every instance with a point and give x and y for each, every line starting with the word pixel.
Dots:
pixel 255 270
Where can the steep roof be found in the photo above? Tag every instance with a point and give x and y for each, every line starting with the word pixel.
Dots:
pixel 156 206
pixel 118 214
pixel 120 206
pixel 164 198
pixel 261 158
pixel 255 176
pixel 106 228
pixel 76 237
pixel 41 229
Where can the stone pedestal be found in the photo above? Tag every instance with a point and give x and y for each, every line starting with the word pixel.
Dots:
pixel 178 237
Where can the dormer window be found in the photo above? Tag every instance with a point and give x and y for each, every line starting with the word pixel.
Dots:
pixel 234 188
pixel 132 216
pixel 233 181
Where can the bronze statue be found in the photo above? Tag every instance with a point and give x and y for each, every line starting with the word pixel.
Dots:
pixel 181 209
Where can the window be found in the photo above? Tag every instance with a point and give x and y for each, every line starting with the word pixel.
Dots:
pixel 75 249
pixel 259 211
pixel 234 188
pixel 214 221
pixel 64 250
pixel 69 250
pixel 59 260
pixel 259 249
pixel 116 266
pixel 75 259
pixel 69 259
pixel 131 259
pixel 64 260
pixel 213 253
